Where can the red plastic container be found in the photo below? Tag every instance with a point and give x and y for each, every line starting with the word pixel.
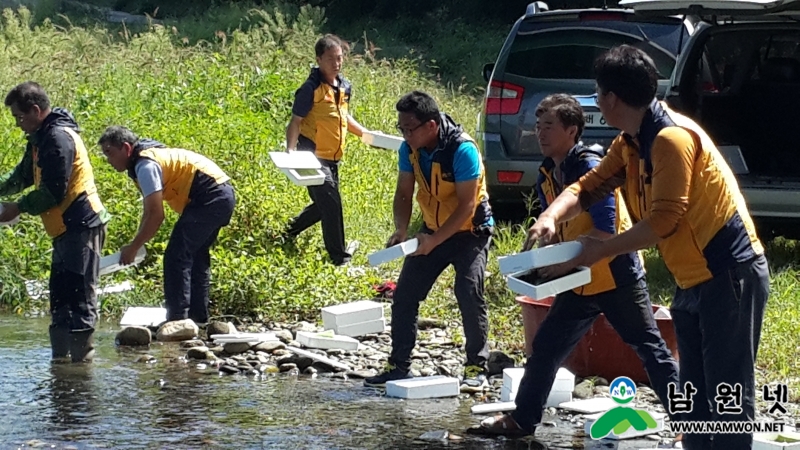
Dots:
pixel 601 352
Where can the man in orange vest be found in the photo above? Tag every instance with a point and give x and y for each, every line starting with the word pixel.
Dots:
pixel 320 122
pixel 195 188
pixel 57 165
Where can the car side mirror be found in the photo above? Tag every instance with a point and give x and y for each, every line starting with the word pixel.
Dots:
pixel 487 71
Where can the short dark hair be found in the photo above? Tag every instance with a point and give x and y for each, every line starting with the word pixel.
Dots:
pixel 327 42
pixel 566 108
pixel 26 95
pixel 422 105
pixel 117 135
pixel 629 73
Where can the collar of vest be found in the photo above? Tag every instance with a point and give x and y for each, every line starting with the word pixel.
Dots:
pixel 656 118
pixel 577 153
pixel 58 117
pixel 141 144
pixel 316 77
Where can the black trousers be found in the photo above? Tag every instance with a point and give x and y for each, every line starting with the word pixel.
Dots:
pixel 73 278
pixel 325 207
pixel 467 253
pixel 187 259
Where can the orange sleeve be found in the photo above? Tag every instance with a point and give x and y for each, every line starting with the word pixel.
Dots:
pixel 673 156
pixel 597 183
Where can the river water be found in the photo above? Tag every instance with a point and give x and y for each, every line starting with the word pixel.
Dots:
pixel 121 403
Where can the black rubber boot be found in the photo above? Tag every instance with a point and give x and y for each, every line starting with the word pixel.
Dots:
pixel 82 345
pixel 59 343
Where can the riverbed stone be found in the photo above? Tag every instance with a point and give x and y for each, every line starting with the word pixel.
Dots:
pixel 198 353
pixel 584 389
pixel 284 335
pixel 134 336
pixel 498 361
pixel 286 367
pixel 192 343
pixel 217 327
pixel 177 330
pixel 234 348
pixel 269 346
pixel 301 362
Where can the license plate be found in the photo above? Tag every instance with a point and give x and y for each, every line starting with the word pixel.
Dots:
pixel 595 119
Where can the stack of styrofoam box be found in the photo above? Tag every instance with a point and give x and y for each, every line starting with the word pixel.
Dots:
pixel 354 319
pixel 423 387
pixel 561 391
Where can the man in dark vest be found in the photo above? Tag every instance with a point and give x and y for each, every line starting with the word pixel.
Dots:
pixel 195 188
pixel 57 165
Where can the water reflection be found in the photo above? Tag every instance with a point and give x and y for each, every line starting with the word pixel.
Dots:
pixel 120 403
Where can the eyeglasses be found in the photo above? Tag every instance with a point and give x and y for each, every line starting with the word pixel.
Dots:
pixel 408 131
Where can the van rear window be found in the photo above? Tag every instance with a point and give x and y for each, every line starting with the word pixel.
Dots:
pixel 569 52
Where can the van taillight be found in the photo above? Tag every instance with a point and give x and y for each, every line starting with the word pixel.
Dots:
pixel 503 98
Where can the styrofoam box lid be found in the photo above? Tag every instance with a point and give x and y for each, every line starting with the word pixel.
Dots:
pixel 540 257
pixel 353 307
pixel 298 159
pixel 143 316
pixel 417 382
pixel 110 263
pixel 396 251
pixel 378 139
pixel 309 335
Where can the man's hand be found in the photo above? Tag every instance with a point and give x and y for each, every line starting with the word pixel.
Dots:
pixel 426 244
pixel 127 254
pixel 544 231
pixel 396 238
pixel 10 211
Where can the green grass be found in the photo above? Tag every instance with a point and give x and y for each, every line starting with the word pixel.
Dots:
pixel 229 96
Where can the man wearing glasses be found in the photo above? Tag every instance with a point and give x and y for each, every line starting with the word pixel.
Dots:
pixel 443 162
pixel 320 122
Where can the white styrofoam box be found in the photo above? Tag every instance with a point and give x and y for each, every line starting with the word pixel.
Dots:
pixel 564 381
pixel 662 313
pixel 554 399
pixel 590 406
pixel 299 159
pixel 423 387
pixel 344 314
pixel 488 408
pixel 316 357
pixel 557 397
pixel 362 328
pixel 786 440
pixel 142 316
pixel 630 432
pixel 315 340
pixel 305 177
pixel 396 251
pixel 512 377
pixel 378 139
pixel 540 257
pixel 582 276
pixel 110 263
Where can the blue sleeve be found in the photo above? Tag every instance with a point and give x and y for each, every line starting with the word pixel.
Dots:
pixel 604 212
pixel 148 174
pixel 466 163
pixel 403 163
pixel 303 100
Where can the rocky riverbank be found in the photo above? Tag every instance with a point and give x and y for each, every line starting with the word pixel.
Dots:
pixel 437 353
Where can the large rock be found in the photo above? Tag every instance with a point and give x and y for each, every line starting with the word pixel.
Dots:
pixel 498 361
pixel 177 330
pixel 269 346
pixel 220 328
pixel 584 389
pixel 198 353
pixel 234 348
pixel 300 361
pixel 284 335
pixel 134 336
